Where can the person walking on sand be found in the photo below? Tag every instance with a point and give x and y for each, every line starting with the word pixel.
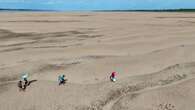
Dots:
pixel 61 79
pixel 20 86
pixel 23 83
pixel 113 77
pixel 24 78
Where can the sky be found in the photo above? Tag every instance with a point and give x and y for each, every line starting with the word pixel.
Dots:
pixel 96 4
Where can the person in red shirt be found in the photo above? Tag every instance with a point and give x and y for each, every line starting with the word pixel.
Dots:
pixel 113 76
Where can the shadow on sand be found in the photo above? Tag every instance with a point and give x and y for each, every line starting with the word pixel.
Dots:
pixel 31 81
pixel 63 82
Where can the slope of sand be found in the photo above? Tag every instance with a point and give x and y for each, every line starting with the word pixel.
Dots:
pixel 153 54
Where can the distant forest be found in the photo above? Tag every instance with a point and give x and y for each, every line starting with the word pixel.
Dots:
pixel 3 9
pixel 156 10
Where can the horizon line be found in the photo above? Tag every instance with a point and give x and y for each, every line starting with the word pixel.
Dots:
pixel 99 10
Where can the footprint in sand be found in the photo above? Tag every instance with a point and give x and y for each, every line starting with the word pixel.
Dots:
pixel 166 106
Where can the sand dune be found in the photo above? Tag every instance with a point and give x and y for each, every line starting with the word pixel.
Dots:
pixel 151 52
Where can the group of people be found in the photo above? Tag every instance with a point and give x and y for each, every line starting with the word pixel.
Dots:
pixel 23 83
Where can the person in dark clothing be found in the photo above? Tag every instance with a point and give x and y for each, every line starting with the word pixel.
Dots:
pixel 26 83
pixel 20 86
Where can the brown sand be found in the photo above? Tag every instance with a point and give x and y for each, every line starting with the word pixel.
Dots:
pixel 153 54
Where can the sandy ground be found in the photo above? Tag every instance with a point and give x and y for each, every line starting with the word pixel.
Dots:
pixel 153 54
